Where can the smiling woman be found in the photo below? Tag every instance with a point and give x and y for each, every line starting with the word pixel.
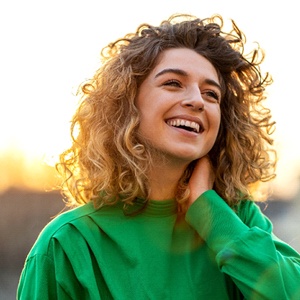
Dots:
pixel 170 141
pixel 182 89
pixel 52 60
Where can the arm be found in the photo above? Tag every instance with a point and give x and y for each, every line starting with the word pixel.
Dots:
pixel 262 266
pixel 60 265
pixel 37 279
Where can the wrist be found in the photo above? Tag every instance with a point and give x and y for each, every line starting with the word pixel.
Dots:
pixel 195 195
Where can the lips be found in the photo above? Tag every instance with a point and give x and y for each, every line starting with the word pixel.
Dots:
pixel 189 124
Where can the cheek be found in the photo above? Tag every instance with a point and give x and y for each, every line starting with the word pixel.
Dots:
pixel 218 123
pixel 217 126
pixel 146 124
pixel 215 118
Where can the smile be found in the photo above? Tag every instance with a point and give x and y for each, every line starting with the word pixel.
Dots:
pixel 186 125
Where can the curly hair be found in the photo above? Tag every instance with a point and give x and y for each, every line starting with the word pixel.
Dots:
pixel 108 163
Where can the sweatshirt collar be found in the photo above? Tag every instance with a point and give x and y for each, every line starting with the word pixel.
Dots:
pixel 155 208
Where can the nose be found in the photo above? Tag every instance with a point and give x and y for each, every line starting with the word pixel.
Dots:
pixel 194 100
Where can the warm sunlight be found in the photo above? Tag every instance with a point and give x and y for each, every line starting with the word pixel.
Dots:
pixel 51 47
pixel 48 48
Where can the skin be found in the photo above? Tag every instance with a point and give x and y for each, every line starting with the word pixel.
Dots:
pixel 182 87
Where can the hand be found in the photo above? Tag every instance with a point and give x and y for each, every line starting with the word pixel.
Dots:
pixel 202 178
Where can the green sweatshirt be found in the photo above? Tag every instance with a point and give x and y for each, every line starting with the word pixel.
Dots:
pixel 210 253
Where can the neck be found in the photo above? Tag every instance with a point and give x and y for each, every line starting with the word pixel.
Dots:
pixel 163 180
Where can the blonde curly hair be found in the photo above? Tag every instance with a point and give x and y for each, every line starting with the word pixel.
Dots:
pixel 107 161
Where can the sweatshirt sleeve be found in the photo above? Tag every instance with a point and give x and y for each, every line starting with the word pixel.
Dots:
pixel 261 265
pixel 37 279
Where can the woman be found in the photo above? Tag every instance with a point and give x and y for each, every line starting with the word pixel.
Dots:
pixel 170 142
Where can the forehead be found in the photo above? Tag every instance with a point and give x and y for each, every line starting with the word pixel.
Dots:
pixel 186 59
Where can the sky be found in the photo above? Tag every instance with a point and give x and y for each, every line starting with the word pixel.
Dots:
pixel 49 47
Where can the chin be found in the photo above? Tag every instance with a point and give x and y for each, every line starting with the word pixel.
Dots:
pixel 188 158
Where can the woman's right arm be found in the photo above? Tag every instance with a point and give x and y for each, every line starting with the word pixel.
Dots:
pixel 37 279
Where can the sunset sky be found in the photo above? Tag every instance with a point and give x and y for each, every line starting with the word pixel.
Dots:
pixel 49 47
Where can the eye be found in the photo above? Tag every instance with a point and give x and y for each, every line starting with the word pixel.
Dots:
pixel 172 82
pixel 211 95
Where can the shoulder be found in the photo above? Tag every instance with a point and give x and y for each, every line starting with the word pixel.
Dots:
pixel 59 224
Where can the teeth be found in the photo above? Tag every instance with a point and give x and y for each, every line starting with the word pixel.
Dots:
pixel 186 123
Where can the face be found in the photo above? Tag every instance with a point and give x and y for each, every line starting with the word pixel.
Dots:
pixel 179 105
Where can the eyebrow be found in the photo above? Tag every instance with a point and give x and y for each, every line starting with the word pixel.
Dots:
pixel 184 73
pixel 171 70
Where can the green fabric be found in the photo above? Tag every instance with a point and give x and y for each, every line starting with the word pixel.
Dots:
pixel 211 253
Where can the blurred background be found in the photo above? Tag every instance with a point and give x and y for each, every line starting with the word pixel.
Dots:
pixel 49 47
